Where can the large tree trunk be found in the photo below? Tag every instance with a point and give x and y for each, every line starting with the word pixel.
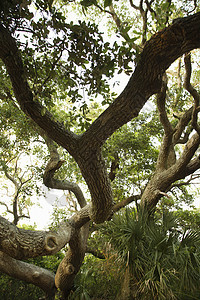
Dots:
pixel 158 54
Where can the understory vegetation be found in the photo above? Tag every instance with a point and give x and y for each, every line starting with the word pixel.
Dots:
pixel 99 104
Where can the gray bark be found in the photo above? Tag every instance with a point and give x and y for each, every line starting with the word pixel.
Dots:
pixel 28 273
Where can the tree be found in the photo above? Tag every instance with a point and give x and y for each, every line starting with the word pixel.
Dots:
pixel 45 61
pixel 161 259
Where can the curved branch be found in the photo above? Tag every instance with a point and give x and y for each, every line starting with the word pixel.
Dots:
pixel 188 152
pixel 7 209
pixel 193 92
pixel 72 261
pixel 28 273
pixel 161 100
pixel 11 178
pixel 150 8
pixel 180 127
pixel 134 6
pixel 10 55
pixel 162 179
pixel 120 27
pixel 188 182
pixel 158 54
pixel 166 156
pixel 53 165
pixel 191 167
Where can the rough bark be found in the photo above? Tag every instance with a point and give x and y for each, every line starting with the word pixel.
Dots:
pixel 158 54
pixel 74 256
pixel 163 177
pixel 168 169
pixel 16 244
pixel 72 261
pixel 22 244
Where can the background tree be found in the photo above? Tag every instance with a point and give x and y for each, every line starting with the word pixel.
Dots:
pixel 47 62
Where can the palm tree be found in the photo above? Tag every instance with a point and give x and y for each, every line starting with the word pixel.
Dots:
pixel 161 258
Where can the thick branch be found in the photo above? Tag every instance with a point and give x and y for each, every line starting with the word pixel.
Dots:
pixel 50 181
pixel 28 273
pixel 161 100
pixel 72 261
pixel 193 92
pixel 11 57
pixel 22 244
pixel 162 180
pixel 188 152
pixel 192 166
pixel 180 127
pixel 167 154
pixel 158 54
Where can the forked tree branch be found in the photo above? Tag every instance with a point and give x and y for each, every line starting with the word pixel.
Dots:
pixel 53 165
pixel 161 101
pixel 187 182
pixel 193 92
pixel 180 127
pixel 158 54
pixel 166 156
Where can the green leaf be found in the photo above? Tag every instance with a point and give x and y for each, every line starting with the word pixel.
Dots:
pixel 43 111
pixel 87 3
pixel 107 3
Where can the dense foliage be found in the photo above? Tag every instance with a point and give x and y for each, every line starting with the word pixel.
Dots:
pixel 74 80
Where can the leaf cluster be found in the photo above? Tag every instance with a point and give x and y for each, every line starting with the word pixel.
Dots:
pixel 162 257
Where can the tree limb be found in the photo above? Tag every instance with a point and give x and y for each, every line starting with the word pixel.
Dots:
pixel 158 54
pixel 188 182
pixel 193 92
pixel 28 273
pixel 120 27
pixel 166 156
pixel 180 127
pixel 125 202
pixel 22 244
pixel 161 101
pixel 162 179
pixel 72 261
pixel 7 209
pixel 50 181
